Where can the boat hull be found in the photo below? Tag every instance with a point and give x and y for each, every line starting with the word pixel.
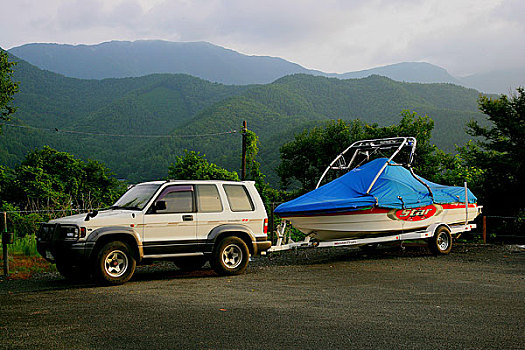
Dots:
pixel 380 221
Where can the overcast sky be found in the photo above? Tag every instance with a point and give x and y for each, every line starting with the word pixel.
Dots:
pixel 462 36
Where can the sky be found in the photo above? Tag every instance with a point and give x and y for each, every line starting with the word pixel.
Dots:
pixel 462 36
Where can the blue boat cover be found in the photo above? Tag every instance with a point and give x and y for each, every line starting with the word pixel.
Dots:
pixel 395 188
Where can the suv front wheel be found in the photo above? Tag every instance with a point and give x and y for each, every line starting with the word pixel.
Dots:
pixel 114 263
pixel 230 256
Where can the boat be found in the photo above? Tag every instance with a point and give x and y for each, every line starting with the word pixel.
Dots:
pixel 381 197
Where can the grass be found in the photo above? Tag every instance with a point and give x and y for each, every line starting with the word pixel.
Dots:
pixel 24 245
pixel 24 260
pixel 23 267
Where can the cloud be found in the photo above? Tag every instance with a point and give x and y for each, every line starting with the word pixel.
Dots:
pixel 463 36
pixel 477 38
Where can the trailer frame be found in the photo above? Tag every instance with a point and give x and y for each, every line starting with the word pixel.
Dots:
pixel 284 242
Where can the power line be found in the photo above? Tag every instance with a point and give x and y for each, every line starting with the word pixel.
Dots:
pixel 117 135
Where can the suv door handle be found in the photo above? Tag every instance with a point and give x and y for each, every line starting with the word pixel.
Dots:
pixel 187 217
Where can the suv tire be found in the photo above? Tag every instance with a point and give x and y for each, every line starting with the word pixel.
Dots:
pixel 230 256
pixel 114 263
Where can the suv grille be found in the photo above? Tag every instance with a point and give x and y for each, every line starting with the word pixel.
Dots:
pixel 46 232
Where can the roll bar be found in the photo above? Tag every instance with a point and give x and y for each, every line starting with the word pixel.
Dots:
pixel 367 148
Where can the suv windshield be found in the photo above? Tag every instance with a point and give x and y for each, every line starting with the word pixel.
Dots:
pixel 136 197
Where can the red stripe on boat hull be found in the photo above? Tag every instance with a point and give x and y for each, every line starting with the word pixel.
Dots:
pixel 379 210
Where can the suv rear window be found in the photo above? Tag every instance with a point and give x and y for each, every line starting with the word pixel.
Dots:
pixel 208 199
pixel 238 198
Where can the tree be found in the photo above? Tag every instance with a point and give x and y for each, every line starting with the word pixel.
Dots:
pixel 304 159
pixel 7 87
pixel 268 194
pixel 194 166
pixel 56 179
pixel 500 153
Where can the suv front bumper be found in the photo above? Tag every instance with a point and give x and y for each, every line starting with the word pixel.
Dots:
pixel 50 243
pixel 71 251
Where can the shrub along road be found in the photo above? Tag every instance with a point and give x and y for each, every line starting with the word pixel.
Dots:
pixel 338 298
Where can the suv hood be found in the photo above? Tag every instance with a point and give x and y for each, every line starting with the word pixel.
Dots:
pixel 103 218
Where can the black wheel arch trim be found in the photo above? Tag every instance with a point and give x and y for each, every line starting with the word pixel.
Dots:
pixel 241 231
pixel 108 231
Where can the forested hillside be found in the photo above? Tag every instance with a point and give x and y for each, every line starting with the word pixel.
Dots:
pixel 180 105
pixel 153 105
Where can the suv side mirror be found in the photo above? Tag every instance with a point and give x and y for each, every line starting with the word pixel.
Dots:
pixel 160 205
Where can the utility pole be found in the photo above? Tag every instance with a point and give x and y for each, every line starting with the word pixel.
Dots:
pixel 244 139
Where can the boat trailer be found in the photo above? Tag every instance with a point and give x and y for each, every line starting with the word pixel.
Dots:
pixel 285 242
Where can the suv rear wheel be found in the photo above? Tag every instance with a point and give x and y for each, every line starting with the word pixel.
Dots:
pixel 230 256
pixel 114 263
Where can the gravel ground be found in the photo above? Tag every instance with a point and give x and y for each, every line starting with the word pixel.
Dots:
pixel 317 298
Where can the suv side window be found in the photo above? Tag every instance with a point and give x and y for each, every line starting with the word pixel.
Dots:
pixel 238 198
pixel 179 199
pixel 208 199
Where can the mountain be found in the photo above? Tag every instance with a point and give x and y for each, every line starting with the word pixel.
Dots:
pixel 415 72
pixel 118 59
pixel 138 126
pixel 498 81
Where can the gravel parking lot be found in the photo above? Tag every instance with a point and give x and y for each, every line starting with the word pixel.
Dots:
pixel 324 298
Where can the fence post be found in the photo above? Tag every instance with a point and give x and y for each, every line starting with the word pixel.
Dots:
pixel 484 229
pixel 4 247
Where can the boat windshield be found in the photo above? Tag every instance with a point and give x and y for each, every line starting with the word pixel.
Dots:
pixel 136 197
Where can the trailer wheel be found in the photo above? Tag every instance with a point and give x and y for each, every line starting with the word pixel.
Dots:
pixel 230 256
pixel 441 242
pixel 114 263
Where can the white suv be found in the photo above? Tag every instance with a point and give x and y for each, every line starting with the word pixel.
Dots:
pixel 187 221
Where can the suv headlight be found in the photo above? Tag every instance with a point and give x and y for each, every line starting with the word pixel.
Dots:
pixel 69 232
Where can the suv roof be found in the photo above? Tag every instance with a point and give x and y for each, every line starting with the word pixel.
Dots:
pixel 197 181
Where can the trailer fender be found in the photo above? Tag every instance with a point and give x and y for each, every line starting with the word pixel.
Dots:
pixel 433 228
